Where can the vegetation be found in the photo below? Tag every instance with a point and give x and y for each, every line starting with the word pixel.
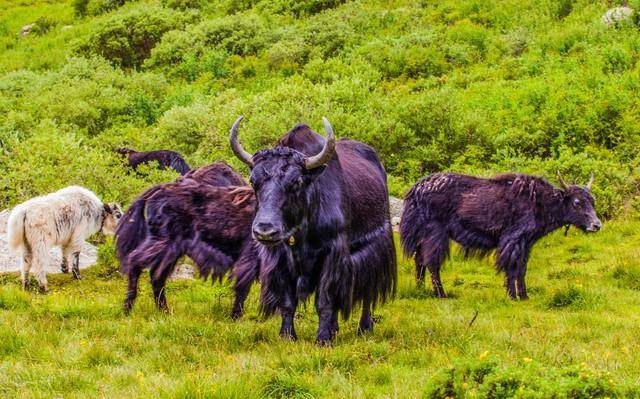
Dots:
pixel 476 86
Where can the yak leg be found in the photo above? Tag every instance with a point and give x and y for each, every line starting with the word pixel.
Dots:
pixel 27 258
pixel 366 321
pixel 40 252
pixel 521 285
pixel 64 266
pixel 245 272
pixel 327 316
pixel 512 259
pixel 431 253
pixel 287 312
pixel 71 252
pixel 132 289
pixel 242 292
pixel 160 275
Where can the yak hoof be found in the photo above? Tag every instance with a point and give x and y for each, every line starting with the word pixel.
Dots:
pixel 323 342
pixel 44 289
pixel 64 269
pixel 76 275
pixel 236 314
pixel 289 336
pixel 365 328
pixel 524 297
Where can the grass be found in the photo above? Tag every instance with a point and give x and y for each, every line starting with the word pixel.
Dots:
pixel 577 334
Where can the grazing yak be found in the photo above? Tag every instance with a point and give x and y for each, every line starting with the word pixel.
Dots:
pixel 165 158
pixel 322 220
pixel 65 218
pixel 205 215
pixel 508 213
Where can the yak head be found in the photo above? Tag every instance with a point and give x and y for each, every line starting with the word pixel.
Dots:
pixel 111 215
pixel 280 177
pixel 579 206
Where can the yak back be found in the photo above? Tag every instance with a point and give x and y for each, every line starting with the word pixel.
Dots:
pixel 215 174
pixel 489 205
pixel 165 158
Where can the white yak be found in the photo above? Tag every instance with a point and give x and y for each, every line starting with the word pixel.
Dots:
pixel 65 218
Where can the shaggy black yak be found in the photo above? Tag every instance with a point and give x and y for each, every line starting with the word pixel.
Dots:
pixel 322 220
pixel 508 213
pixel 164 158
pixel 200 215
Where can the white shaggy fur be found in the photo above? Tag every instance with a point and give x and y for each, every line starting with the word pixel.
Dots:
pixel 65 218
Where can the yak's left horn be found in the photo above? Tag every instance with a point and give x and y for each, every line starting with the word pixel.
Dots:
pixel 235 144
pixel 327 151
pixel 562 182
pixel 590 183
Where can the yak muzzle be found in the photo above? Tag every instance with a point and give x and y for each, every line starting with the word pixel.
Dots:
pixel 266 233
pixel 594 226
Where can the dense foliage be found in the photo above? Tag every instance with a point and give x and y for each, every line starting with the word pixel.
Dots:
pixel 478 87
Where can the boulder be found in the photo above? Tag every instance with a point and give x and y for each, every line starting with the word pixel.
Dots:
pixel 615 15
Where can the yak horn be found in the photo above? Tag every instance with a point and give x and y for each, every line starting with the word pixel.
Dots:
pixel 590 183
pixel 562 182
pixel 327 151
pixel 235 145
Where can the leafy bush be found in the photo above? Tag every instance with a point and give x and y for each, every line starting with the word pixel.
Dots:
pixel 127 39
pixel 487 379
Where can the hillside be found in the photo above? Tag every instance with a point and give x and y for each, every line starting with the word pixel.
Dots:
pixel 478 87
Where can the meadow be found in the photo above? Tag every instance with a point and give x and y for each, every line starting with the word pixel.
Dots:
pixel 476 87
pixel 575 338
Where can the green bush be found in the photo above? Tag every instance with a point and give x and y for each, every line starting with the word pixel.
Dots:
pixel 127 39
pixel 489 380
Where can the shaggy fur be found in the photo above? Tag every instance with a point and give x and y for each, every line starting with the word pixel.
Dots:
pixel 164 158
pixel 508 213
pixel 210 224
pixel 334 232
pixel 65 218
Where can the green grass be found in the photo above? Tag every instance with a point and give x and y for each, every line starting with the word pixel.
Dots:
pixel 575 337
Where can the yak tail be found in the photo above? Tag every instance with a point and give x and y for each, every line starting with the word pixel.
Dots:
pixel 15 229
pixel 179 165
pixel 412 224
pixel 132 229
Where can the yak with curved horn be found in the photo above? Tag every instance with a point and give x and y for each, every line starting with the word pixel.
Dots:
pixel 322 221
pixel 508 213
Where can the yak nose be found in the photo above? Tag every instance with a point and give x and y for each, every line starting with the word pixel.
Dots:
pixel 265 231
pixel 595 226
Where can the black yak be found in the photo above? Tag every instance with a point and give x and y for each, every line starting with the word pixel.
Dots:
pixel 164 158
pixel 203 215
pixel 323 221
pixel 508 213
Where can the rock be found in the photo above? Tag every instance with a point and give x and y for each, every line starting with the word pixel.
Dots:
pixel 26 29
pixel 66 27
pixel 616 15
pixel 183 272
pixel 396 205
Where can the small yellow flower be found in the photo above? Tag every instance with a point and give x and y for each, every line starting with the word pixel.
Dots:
pixel 483 355
pixel 527 360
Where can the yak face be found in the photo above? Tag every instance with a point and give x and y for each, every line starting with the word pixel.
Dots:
pixel 579 209
pixel 280 180
pixel 111 215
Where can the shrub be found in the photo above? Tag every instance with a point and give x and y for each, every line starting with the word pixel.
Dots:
pixel 126 39
pixel 489 380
